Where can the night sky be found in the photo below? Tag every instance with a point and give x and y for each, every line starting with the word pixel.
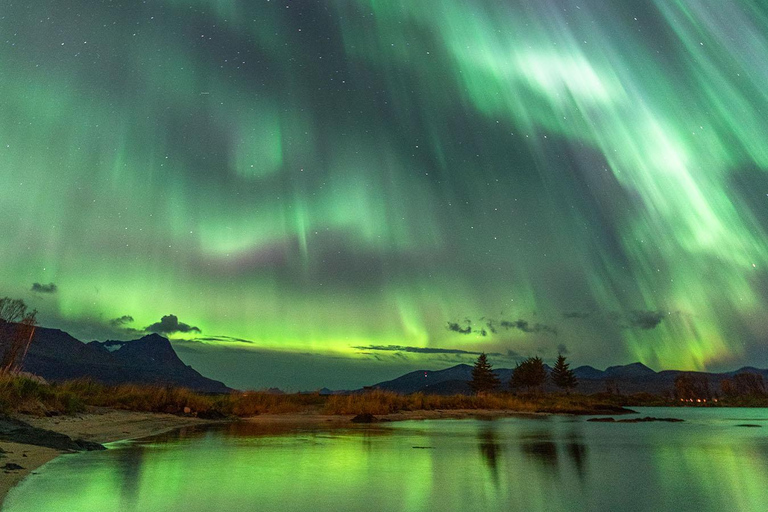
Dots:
pixel 332 192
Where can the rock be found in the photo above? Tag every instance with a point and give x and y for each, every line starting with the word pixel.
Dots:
pixel 212 415
pixel 636 420
pixel 17 431
pixel 10 466
pixel 89 446
pixel 649 418
pixel 365 418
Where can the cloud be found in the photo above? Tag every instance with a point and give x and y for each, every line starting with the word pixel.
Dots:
pixel 455 327
pixel 44 288
pixel 562 349
pixel 121 321
pixel 421 350
pixel 170 324
pixel 525 326
pixel 576 314
pixel 645 320
pixel 492 327
pixel 223 339
pixel 637 319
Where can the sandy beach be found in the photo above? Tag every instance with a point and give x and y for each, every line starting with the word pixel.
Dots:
pixel 98 425
pixel 311 418
pixel 108 425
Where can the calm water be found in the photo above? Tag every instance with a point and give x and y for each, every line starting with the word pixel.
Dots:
pixel 547 464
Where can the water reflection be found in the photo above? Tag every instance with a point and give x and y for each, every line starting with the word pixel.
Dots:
pixel 541 450
pixel 490 449
pixel 705 464
pixel 577 451
pixel 128 475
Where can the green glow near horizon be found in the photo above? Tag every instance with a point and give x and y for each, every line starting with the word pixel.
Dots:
pixel 360 172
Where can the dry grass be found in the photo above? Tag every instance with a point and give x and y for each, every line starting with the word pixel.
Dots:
pixel 385 402
pixel 26 395
pixel 22 394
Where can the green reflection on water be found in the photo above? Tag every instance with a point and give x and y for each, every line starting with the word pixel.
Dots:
pixel 706 463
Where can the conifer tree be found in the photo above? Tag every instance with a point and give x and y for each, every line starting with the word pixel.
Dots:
pixel 529 374
pixel 562 376
pixel 483 378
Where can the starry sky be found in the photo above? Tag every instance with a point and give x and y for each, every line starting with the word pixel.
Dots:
pixel 306 193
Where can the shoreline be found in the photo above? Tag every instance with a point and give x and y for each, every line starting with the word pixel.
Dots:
pixel 99 425
pixel 102 425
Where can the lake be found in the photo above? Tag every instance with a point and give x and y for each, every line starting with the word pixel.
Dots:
pixel 707 463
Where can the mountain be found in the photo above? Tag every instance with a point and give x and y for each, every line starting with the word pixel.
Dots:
pixel 55 355
pixel 628 371
pixel 626 379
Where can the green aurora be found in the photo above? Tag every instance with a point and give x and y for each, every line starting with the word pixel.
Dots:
pixel 339 181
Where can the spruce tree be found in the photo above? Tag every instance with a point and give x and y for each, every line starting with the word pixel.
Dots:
pixel 529 374
pixel 483 378
pixel 562 376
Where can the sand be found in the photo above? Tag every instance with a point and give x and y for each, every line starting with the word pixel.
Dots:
pixel 98 425
pixel 108 425
pixel 335 420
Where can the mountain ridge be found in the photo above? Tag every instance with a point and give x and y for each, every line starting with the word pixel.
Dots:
pixel 56 355
pixel 630 378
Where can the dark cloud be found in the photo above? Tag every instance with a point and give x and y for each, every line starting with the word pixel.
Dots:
pixel 44 288
pixel 420 350
pixel 645 320
pixel 637 319
pixel 562 349
pixel 525 326
pixel 576 314
pixel 491 327
pixel 224 339
pixel 456 327
pixel 170 324
pixel 121 321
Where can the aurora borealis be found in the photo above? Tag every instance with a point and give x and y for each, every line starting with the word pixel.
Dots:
pixel 375 185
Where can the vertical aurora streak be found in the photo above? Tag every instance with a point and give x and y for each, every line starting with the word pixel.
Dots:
pixel 316 176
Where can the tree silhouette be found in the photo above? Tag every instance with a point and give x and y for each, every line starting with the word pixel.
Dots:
pixel 743 384
pixel 529 374
pixel 483 378
pixel 17 326
pixel 562 376
pixel 692 386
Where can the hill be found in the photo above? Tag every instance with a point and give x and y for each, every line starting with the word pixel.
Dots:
pixel 56 356
pixel 626 379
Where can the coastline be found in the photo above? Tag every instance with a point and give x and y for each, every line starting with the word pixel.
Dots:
pixel 103 425
pixel 100 425
pixel 316 419
pixel 110 425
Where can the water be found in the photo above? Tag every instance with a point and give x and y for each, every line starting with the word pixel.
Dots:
pixel 705 464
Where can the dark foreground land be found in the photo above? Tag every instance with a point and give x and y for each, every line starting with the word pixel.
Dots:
pixel 39 421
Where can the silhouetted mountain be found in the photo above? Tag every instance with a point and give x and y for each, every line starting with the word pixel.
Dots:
pixel 55 355
pixel 587 372
pixel 627 371
pixel 626 379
